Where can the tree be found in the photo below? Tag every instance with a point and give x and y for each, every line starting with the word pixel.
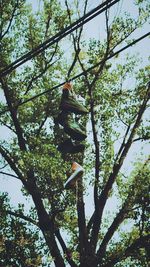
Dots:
pixel 117 121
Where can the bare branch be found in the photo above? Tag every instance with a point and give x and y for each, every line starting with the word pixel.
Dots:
pixel 4 166
pixel 73 63
pixel 76 40
pixel 123 143
pixel 101 66
pixel 13 111
pixel 144 138
pixel 9 174
pixel 10 21
pixel 11 163
pixel 121 118
pixel 47 66
pixel 66 251
pixel 9 127
pixel 21 216
pixel 96 142
pixel 42 124
pixel 47 25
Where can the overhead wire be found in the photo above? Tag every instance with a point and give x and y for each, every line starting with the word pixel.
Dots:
pixel 60 35
pixel 82 73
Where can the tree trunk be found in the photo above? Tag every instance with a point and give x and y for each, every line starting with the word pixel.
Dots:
pixel 89 261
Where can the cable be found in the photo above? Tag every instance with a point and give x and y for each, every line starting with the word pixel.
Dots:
pixel 82 73
pixel 75 25
pixel 52 40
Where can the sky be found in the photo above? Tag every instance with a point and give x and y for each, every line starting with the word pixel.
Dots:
pixel 93 29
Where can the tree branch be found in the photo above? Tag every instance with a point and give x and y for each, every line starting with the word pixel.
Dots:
pixel 9 127
pixel 57 233
pixel 120 117
pixel 45 222
pixel 96 142
pixel 9 174
pixel 31 186
pixel 122 214
pixel 123 143
pixel 104 194
pixel 21 216
pixel 65 249
pixel 13 112
pixel 138 243
pixel 76 40
pixel 3 166
pixel 11 163
pixel 97 147
pixel 83 240
pixel 144 138
pixel 101 66
pixel 55 251
pixel 47 66
pixel 10 21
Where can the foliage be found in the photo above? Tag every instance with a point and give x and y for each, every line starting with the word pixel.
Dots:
pixel 17 239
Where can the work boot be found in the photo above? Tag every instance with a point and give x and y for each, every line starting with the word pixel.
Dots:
pixel 77 173
pixel 71 127
pixel 69 102
pixel 68 147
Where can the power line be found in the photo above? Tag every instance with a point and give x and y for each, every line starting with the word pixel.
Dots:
pixel 83 72
pixel 60 35
pixel 55 38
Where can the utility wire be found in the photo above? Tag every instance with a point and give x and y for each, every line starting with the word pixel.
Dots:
pixel 83 72
pixel 56 38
